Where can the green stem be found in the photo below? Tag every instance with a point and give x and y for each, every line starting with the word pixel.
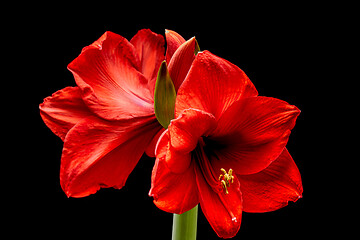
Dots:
pixel 185 225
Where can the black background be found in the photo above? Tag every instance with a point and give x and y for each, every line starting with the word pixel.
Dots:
pixel 276 49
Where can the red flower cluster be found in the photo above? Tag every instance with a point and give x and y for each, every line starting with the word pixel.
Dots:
pixel 225 149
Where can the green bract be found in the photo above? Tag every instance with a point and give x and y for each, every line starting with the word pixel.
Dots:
pixel 165 96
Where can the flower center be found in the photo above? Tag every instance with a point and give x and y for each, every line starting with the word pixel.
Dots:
pixel 225 179
pixel 218 184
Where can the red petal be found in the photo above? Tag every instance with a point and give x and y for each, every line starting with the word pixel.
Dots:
pixel 253 132
pixel 150 150
pixel 223 211
pixel 181 61
pixel 173 41
pixel 212 85
pixel 174 193
pixel 99 153
pixel 184 134
pixel 63 110
pixel 273 187
pixel 186 130
pixel 150 49
pixel 177 161
pixel 108 74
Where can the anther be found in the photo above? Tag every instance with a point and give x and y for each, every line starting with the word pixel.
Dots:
pixel 225 179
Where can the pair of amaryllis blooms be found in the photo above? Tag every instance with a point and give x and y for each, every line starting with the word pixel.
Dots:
pixel 224 149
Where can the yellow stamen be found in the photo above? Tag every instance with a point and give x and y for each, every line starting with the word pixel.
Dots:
pixel 225 179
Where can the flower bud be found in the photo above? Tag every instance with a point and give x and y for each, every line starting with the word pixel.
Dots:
pixel 165 96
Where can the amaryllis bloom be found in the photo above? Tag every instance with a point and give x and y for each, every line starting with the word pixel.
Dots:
pixel 225 149
pixel 107 121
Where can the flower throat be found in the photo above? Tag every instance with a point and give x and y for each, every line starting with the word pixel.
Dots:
pixel 218 183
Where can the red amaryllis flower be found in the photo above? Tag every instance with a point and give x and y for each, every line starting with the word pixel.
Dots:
pixel 107 122
pixel 225 149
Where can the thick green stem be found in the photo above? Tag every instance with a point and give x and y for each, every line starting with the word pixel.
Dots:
pixel 185 225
